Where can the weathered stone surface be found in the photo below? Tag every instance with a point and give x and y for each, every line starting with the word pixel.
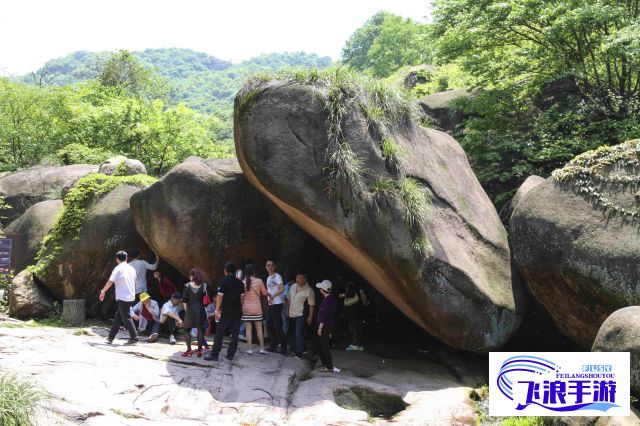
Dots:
pixel 27 299
pixel 580 261
pixel 621 333
pixel 28 230
pixel 123 165
pixel 154 384
pixel 85 263
pixel 204 213
pixel 441 108
pixel 507 210
pixel 24 188
pixel 461 291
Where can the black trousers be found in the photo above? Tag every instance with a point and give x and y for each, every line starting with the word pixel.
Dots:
pixel 322 347
pixel 274 326
pixel 353 315
pixel 231 323
pixel 123 315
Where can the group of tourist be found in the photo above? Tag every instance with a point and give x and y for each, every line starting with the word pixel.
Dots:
pixel 242 301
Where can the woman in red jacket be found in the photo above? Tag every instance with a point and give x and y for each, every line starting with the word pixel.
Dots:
pixel 165 285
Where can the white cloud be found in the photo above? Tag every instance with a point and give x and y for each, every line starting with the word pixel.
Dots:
pixel 33 32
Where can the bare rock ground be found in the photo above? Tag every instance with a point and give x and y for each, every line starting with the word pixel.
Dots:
pixel 99 384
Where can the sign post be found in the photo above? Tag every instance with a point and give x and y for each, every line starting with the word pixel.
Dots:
pixel 5 255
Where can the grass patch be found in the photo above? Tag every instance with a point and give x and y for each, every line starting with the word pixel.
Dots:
pixel 125 415
pixel 22 400
pixel 71 217
pixel 82 332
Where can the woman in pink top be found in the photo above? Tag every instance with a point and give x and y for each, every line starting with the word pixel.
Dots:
pixel 252 308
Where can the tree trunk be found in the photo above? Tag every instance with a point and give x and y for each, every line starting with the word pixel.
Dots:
pixel 73 312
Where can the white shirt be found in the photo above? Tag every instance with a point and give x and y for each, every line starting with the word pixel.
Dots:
pixel 124 278
pixel 141 268
pixel 272 288
pixel 169 307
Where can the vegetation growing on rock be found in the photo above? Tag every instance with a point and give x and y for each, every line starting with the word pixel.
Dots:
pixel 71 217
pixel 612 168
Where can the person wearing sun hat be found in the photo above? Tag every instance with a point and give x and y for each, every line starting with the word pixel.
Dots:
pixel 326 321
pixel 147 314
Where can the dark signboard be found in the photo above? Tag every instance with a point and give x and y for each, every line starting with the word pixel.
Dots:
pixel 5 255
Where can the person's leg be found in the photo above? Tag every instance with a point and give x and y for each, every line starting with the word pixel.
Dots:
pixel 299 335
pixel 248 328
pixel 233 343
pixel 243 331
pixel 260 335
pixel 357 326
pixel 170 325
pixel 117 322
pixel 125 314
pixel 203 332
pixel 155 327
pixel 273 343
pixel 277 320
pixel 285 323
pixel 326 349
pixel 223 325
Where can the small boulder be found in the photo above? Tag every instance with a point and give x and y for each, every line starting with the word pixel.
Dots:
pixel 621 333
pixel 122 166
pixel 441 108
pixel 26 187
pixel 28 230
pixel 27 299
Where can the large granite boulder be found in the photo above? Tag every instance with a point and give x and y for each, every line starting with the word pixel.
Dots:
pixel 575 240
pixel 441 108
pixel 397 202
pixel 24 188
pixel 122 166
pixel 27 299
pixel 621 333
pixel 77 262
pixel 204 213
pixel 506 210
pixel 29 229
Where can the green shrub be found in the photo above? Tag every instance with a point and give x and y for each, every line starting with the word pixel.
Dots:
pixel 22 400
pixel 76 153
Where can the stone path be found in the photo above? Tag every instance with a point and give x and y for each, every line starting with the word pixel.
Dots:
pixel 100 384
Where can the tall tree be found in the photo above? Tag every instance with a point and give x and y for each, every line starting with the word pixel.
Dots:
pixel 385 43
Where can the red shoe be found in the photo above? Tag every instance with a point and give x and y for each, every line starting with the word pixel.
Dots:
pixel 187 353
pixel 199 353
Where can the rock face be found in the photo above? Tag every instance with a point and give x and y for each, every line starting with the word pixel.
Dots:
pixel 85 263
pixel 459 288
pixel 578 258
pixel 28 230
pixel 440 107
pixel 27 299
pixel 621 333
pixel 122 166
pixel 506 210
pixel 24 188
pixel 204 213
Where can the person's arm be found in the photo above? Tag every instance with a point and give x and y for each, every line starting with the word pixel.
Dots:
pixel 155 265
pixel 135 311
pixel 155 309
pixel 104 290
pixel 280 287
pixel 263 289
pixel 218 312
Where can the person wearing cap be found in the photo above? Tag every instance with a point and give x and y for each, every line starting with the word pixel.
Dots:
pixel 299 293
pixel 147 313
pixel 326 321
pixel 141 267
pixel 170 315
pixel 123 278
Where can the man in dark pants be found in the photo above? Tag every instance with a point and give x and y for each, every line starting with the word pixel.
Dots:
pixel 124 279
pixel 228 312
pixel 275 288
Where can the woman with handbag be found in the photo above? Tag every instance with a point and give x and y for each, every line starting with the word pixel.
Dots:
pixel 252 307
pixel 193 299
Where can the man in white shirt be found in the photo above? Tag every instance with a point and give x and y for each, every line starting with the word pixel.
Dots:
pixel 123 278
pixel 141 267
pixel 170 315
pixel 275 288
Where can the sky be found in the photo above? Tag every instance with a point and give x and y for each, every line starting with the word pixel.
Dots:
pixel 34 31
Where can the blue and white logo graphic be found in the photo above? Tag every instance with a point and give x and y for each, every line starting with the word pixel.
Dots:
pixel 561 384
